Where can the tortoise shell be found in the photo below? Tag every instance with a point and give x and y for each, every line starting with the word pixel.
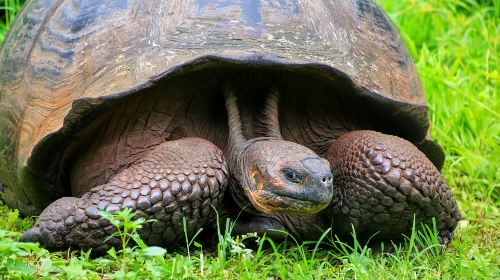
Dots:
pixel 65 64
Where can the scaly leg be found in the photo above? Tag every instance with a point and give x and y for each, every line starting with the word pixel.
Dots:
pixel 176 179
pixel 382 182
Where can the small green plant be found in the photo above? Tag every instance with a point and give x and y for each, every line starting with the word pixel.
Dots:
pixel 235 245
pixel 189 242
pixel 13 222
pixel 127 230
pixel 13 252
pixel 238 247
pixel 223 238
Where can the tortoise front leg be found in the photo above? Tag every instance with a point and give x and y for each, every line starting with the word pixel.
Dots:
pixel 382 182
pixel 176 179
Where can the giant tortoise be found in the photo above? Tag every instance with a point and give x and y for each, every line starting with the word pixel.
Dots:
pixel 301 115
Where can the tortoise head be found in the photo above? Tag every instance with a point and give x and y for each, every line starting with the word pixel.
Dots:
pixel 274 175
pixel 283 177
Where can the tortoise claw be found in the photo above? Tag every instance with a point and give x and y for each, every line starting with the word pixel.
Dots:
pixel 31 235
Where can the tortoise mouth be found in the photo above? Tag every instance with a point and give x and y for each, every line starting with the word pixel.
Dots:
pixel 291 203
pixel 305 197
pixel 303 200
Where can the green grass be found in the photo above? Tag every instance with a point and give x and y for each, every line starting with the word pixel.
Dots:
pixel 455 46
pixel 8 11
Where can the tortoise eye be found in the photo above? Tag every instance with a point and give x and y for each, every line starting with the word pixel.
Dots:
pixel 292 175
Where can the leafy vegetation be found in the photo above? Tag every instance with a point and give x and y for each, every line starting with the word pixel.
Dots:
pixel 455 46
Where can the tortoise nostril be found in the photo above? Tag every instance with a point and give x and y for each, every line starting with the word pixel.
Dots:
pixel 326 180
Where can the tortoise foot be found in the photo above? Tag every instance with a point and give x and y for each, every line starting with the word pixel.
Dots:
pixel 382 183
pixel 52 224
pixel 268 226
pixel 176 180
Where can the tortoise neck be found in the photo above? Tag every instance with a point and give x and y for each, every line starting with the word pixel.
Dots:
pixel 269 119
pixel 268 122
pixel 236 138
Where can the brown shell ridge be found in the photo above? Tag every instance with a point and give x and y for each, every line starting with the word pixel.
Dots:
pixel 25 31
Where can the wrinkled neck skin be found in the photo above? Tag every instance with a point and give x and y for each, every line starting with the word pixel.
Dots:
pixel 242 150
pixel 242 164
